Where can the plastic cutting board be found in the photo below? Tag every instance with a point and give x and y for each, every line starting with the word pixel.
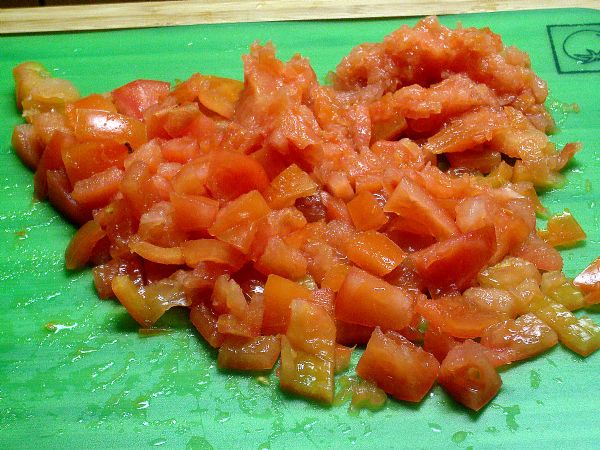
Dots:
pixel 75 372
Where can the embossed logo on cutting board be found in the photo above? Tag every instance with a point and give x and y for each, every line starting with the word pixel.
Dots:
pixel 576 48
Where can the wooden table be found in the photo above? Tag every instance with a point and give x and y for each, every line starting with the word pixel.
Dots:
pixel 187 12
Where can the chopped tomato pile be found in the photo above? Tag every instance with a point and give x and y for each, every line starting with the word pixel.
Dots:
pixel 392 208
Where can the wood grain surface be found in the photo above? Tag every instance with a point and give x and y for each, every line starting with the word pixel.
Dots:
pixel 187 12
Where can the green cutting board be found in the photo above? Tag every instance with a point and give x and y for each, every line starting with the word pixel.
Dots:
pixel 75 372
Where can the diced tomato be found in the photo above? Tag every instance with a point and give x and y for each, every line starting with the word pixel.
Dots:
pixel 469 376
pixel 400 368
pixel 457 316
pixel 235 222
pixel 80 249
pixel 99 189
pixel 352 333
pixel 411 201
pixel 365 299
pixel 308 352
pixel 26 144
pixel 84 159
pixel 374 252
pixel 438 343
pixel 193 212
pixel 279 293
pixel 520 338
pixel 366 212
pixel 51 159
pixel 281 259
pixel 288 186
pixel 562 230
pixel 258 353
pixel 181 149
pixel 93 125
pixel 145 311
pixel 562 290
pixel 106 272
pixel 453 264
pixel 342 357
pixel 233 174
pixel 135 97
pixel 205 321
pixel 589 282
pixel 154 253
pixel 59 193
pixel 213 250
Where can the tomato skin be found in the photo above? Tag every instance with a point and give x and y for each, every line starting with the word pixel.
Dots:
pixel 133 98
pixel 84 159
pixel 453 264
pixel 80 249
pixel 94 125
pixel 367 300
pixel 400 368
pixel 469 376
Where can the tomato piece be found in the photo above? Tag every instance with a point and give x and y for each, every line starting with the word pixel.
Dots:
pixel 205 321
pixel 539 252
pixel 26 75
pixel 562 290
pixel 457 316
pixel 288 186
pixel 233 174
pixel 59 194
pixel 133 98
pixel 84 159
pixel 106 272
pixel 366 212
pixel 281 259
pixel 453 264
pixel 589 282
pixel 192 177
pixel 193 212
pixel 335 276
pixel 374 252
pixel 93 125
pixel 154 253
pixel 415 204
pixel 494 299
pixel 343 355
pixel 396 365
pixel 562 230
pixel 279 293
pixel 351 333
pixel 579 335
pixel 51 159
pixel 258 353
pixel 213 250
pixel 367 300
pixel 308 352
pixel 438 343
pixel 181 150
pixel 521 338
pixel 217 94
pixel 82 244
pixel 235 222
pixel 144 310
pixel 138 189
pixel 99 189
pixel 236 316
pixel 469 376
pixel 27 145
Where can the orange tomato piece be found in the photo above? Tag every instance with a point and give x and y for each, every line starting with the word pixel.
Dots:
pixel 279 293
pixel 193 212
pixel 133 98
pixel 468 375
pixel 288 186
pixel 399 367
pixel 589 281
pixel 205 321
pixel 213 250
pixel 233 174
pixel 374 252
pixel 457 316
pixel 27 145
pixel 99 189
pixel 365 299
pixel 562 230
pixel 81 246
pixel 235 222
pixel 281 259
pixel 84 159
pixel 93 125
pixel 365 211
